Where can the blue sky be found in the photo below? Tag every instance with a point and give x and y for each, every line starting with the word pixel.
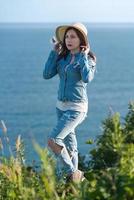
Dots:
pixel 66 11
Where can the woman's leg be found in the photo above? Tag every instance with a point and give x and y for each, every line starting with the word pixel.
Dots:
pixel 71 144
pixel 59 163
pixel 66 124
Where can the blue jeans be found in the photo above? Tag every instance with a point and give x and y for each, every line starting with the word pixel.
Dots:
pixel 64 135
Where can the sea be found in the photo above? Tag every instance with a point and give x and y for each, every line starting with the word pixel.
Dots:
pixel 27 101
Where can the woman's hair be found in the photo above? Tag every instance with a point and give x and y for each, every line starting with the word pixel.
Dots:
pixel 64 51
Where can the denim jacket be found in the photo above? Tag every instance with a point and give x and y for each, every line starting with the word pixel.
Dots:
pixel 73 77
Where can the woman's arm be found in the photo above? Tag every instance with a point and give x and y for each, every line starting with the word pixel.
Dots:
pixel 87 68
pixel 50 69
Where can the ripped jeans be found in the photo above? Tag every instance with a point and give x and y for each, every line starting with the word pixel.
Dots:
pixel 64 135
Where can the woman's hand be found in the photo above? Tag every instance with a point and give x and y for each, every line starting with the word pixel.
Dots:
pixel 57 45
pixel 85 49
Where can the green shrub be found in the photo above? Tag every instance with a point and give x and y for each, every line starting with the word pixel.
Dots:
pixel 109 173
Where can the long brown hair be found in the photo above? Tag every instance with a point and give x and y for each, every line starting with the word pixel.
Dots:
pixel 64 51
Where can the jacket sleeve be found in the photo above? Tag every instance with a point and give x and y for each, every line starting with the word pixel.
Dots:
pixel 87 68
pixel 50 69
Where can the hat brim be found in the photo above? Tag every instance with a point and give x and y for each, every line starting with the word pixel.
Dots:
pixel 60 32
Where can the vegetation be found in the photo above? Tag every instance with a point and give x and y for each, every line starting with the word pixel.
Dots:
pixel 109 172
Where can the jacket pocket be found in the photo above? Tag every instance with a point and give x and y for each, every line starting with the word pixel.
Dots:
pixel 76 64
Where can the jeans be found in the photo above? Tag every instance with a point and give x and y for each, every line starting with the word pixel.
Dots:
pixel 64 135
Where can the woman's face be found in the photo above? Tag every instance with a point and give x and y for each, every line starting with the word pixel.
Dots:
pixel 72 41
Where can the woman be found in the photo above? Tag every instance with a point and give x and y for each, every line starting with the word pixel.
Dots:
pixel 75 64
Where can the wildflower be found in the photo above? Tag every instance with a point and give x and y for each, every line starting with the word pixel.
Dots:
pixel 3 126
pixel 1 144
pixel 18 143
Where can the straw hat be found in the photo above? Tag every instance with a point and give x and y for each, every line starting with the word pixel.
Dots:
pixel 60 31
